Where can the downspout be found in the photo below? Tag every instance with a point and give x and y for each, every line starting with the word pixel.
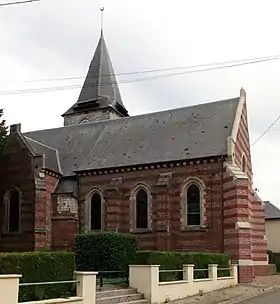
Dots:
pixel 79 206
pixel 222 202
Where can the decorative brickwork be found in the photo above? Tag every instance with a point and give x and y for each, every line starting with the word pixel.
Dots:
pixel 166 213
pixel 44 187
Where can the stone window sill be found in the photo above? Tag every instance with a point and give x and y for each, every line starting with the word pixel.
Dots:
pixel 195 228
pixel 141 230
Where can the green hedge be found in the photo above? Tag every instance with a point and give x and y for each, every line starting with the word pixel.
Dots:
pixel 175 260
pixel 40 267
pixel 105 251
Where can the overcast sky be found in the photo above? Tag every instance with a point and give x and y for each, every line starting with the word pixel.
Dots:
pixel 56 38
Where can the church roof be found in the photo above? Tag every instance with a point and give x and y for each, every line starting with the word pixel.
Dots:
pixel 51 154
pixel 179 134
pixel 271 211
pixel 100 89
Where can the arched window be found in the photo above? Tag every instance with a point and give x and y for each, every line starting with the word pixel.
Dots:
pixel 96 212
pixel 13 210
pixel 141 210
pixel 84 120
pixel 244 163
pixel 193 206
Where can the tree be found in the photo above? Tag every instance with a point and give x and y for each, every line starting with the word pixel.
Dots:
pixel 3 134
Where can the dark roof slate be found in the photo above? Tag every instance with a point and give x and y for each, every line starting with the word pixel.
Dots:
pixel 67 186
pixel 100 89
pixel 185 133
pixel 51 154
pixel 271 211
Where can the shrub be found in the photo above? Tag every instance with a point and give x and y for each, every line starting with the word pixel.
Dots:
pixel 105 251
pixel 175 261
pixel 40 267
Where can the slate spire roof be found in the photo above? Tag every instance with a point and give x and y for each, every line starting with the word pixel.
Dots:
pixel 100 89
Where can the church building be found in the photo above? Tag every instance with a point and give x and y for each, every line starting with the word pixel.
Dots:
pixel 180 180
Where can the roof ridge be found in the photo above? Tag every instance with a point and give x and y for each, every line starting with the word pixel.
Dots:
pixel 139 115
pixel 51 148
pixel 38 142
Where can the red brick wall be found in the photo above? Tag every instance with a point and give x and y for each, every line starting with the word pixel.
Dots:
pixel 166 231
pixel 64 220
pixel 264 270
pixel 17 171
pixel 45 185
pixel 242 205
pixel 64 230
pixel 242 145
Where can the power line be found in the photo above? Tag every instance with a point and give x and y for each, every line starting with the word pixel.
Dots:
pixel 159 70
pixel 70 87
pixel 18 2
pixel 262 135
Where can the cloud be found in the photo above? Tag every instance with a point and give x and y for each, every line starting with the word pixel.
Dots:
pixel 53 39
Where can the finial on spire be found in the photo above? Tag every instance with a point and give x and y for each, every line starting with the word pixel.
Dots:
pixel 102 16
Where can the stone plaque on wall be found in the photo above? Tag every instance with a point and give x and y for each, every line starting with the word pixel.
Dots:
pixel 67 203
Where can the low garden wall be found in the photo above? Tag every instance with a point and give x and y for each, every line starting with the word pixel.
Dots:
pixel 146 279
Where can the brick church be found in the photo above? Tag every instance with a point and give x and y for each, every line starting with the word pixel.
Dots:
pixel 179 179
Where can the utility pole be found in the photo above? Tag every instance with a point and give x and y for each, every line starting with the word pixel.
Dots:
pixel 18 2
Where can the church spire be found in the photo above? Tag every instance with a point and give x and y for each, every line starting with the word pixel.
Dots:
pixel 99 92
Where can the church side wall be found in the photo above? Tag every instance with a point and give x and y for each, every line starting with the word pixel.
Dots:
pixel 17 171
pixel 166 188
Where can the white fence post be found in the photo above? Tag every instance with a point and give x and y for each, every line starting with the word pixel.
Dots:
pixel 188 273
pixel 234 272
pixel 9 288
pixel 86 286
pixel 145 279
pixel 213 271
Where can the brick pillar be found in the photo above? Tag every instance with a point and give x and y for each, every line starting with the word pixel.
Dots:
pixel 44 187
pixel 162 201
pixel 237 222
pixel 40 220
pixel 113 202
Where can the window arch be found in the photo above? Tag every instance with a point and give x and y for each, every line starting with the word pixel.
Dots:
pixel 13 210
pixel 244 163
pixel 193 205
pixel 96 212
pixel 141 208
pixel 84 120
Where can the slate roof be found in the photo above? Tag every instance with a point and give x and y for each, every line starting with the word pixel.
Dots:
pixel 100 89
pixel 67 186
pixel 271 211
pixel 185 133
pixel 51 154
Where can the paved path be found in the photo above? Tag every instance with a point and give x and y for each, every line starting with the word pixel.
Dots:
pixel 272 297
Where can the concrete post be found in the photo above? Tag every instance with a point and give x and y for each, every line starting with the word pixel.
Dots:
pixel 9 288
pixel 145 279
pixel 234 272
pixel 86 287
pixel 213 271
pixel 188 273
